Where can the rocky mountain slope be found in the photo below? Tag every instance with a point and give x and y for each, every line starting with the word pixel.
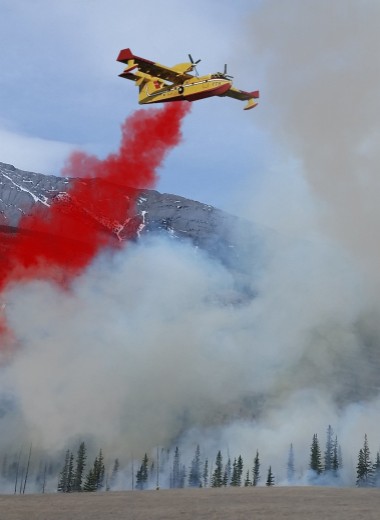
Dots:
pixel 22 192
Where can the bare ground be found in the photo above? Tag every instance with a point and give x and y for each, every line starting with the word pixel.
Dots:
pixel 297 503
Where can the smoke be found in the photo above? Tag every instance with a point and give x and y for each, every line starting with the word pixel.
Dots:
pixel 146 349
pixel 131 364
pixel 319 108
pixel 321 79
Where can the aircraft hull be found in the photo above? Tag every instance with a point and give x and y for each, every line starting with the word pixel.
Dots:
pixel 191 91
pixel 208 88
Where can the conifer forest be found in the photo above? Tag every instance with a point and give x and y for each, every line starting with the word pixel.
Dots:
pixel 76 470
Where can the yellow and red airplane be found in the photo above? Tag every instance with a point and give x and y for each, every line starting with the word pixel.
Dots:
pixel 158 83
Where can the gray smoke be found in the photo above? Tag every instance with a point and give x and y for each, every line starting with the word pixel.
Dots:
pixel 320 102
pixel 149 348
pixel 139 349
pixel 320 75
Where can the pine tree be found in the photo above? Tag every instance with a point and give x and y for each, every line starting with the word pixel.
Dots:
pixel 340 457
pixel 79 469
pixel 270 477
pixel 217 476
pixel 99 471
pixel 225 477
pixel 90 481
pixel 227 473
pixel 329 449
pixel 63 482
pixel 256 470
pixel 237 470
pixel 290 465
pixel 234 476
pixel 364 469
pixel 315 456
pixel 360 469
pixel 70 474
pixel 195 469
pixel 176 471
pixel 240 466
pixel 336 459
pixel 205 473
pixel 247 481
pixel 95 477
pixel 142 474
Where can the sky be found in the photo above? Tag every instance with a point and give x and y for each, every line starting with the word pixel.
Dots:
pixel 60 89
pixel 304 163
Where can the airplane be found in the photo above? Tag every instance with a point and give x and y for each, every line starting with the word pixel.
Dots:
pixel 158 83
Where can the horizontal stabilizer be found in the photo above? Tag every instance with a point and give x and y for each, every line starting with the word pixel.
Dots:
pixel 129 75
pixel 251 104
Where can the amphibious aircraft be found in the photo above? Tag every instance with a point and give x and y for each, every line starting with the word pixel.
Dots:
pixel 158 83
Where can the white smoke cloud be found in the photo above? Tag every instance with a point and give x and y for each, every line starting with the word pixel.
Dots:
pixel 147 348
pixel 320 82
pixel 124 352
pixel 319 104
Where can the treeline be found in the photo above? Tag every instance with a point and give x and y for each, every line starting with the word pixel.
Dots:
pixel 235 472
pixel 324 466
pixel 72 478
pixel 75 473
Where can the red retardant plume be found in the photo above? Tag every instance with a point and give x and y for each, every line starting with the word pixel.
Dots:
pixel 99 209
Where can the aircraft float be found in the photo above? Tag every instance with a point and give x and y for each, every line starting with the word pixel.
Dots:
pixel 158 83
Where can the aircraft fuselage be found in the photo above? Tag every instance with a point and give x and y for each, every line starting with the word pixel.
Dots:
pixel 190 90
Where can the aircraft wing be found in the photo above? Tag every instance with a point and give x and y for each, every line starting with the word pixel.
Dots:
pixel 244 96
pixel 149 67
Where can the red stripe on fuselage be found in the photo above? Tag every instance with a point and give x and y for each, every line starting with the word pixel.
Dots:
pixel 214 91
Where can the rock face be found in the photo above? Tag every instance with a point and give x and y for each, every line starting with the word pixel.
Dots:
pixel 208 228
pixel 20 191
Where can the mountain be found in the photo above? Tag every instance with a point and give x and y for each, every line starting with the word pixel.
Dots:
pixel 149 212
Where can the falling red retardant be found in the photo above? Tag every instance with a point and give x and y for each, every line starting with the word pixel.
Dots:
pixel 98 210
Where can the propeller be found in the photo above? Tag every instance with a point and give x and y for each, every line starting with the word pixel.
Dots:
pixel 194 64
pixel 225 75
